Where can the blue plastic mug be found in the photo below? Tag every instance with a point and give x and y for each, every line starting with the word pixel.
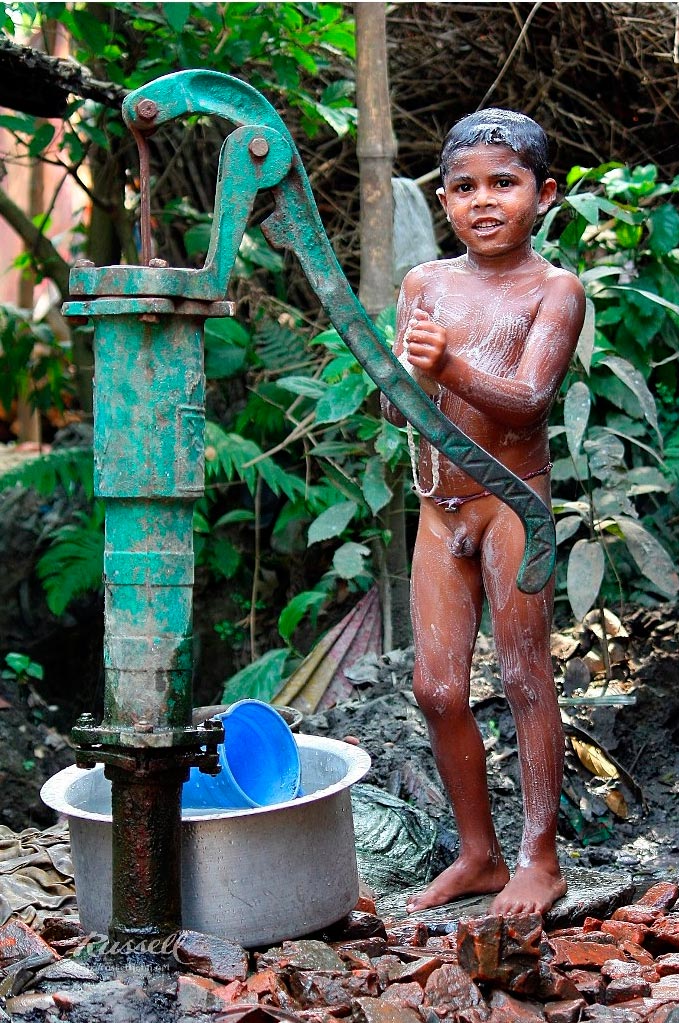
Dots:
pixel 259 762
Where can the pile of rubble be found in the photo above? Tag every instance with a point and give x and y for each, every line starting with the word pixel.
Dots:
pixel 365 970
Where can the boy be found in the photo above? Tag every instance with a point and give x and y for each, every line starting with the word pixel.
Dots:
pixel 492 333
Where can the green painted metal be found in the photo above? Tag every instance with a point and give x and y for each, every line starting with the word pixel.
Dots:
pixel 295 224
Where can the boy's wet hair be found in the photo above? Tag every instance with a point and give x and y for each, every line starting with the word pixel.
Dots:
pixel 494 126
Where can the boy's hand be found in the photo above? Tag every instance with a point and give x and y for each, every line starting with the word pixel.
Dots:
pixel 426 344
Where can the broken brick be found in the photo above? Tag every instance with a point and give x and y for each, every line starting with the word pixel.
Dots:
pixel 565 1012
pixel 617 969
pixel 414 933
pixel 667 988
pixel 591 923
pixel 550 984
pixel 622 930
pixel 418 970
pixel 667 964
pixel 636 914
pixel 355 959
pixel 355 925
pixel 18 941
pixel 506 1009
pixel 410 994
pixel 308 954
pixel 636 952
pixel 623 989
pixel 211 956
pixel 376 1010
pixel 582 953
pixel 450 988
pixel 315 989
pixel 372 947
pixel 663 1013
pixel 500 950
pixel 590 985
pixel 611 1014
pixel 661 896
pixel 666 929
pixel 201 994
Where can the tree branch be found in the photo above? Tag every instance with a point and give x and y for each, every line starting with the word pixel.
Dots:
pixel 40 247
pixel 39 84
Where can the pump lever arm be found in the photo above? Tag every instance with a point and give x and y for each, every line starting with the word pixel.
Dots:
pixel 295 224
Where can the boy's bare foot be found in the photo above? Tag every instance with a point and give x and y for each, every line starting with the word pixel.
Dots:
pixel 464 877
pixel 532 889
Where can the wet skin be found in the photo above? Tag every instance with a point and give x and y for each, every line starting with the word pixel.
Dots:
pixel 496 329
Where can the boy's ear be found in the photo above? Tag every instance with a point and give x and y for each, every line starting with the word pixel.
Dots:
pixel 441 195
pixel 547 195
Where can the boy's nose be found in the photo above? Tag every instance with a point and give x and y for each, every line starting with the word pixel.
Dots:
pixel 484 197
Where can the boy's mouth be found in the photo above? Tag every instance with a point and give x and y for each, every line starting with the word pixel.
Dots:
pixel 487 224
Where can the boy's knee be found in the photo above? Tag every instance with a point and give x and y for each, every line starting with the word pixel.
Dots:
pixel 438 697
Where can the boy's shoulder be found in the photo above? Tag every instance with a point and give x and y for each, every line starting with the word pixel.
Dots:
pixel 424 272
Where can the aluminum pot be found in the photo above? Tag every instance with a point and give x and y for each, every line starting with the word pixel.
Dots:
pixel 255 876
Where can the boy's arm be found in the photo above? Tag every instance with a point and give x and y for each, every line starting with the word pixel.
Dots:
pixel 525 397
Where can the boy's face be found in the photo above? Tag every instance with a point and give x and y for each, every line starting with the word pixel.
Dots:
pixel 492 199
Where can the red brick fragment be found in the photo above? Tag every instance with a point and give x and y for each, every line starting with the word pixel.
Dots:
pixel 411 994
pixel 365 905
pixel 442 942
pixel 565 1012
pixel 622 930
pixel 616 969
pixel 636 952
pixel 661 1014
pixel 550 985
pixel 590 985
pixel 18 941
pixel 667 988
pixel 591 923
pixel 582 953
pixel 666 930
pixel 667 964
pixel 419 970
pixel 318 989
pixel 211 956
pixel 451 989
pixel 636 914
pixel 376 1010
pixel 500 950
pixel 505 1009
pixel 623 989
pixel 414 933
pixel 661 896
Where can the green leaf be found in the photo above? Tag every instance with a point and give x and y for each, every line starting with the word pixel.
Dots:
pixel 260 680
pixel 332 522
pixel 651 296
pixel 576 409
pixel 349 560
pixel 73 564
pixel 177 14
pixel 567 527
pixel 389 441
pixel 664 229
pixel 585 345
pixel 632 378
pixel 308 387
pixel 375 489
pixel 587 205
pixel 19 663
pixel 235 515
pixel 255 249
pixel 584 576
pixel 197 239
pixel 342 399
pixel 294 611
pixel 222 362
pixel 41 139
pixel 650 556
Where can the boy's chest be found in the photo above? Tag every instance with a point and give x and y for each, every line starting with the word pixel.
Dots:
pixel 489 329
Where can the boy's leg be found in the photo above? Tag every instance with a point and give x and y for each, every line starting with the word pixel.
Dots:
pixel 521 627
pixel 446 598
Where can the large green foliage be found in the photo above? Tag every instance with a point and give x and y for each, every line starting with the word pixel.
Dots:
pixel 623 241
